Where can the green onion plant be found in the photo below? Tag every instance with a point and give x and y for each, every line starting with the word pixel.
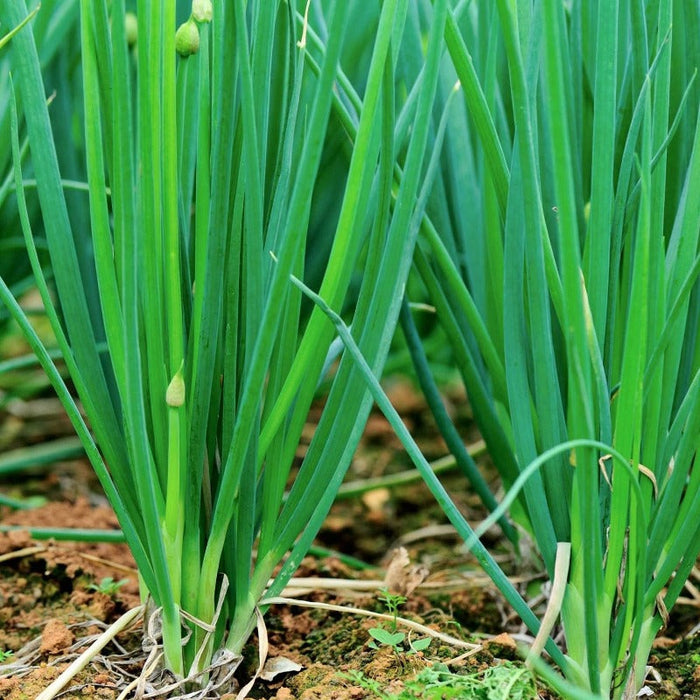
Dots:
pixel 50 28
pixel 203 151
pixel 560 250
pixel 19 376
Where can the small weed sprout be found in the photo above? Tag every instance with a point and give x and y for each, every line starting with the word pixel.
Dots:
pixel 5 654
pixel 359 678
pixel 108 586
pixel 391 637
pixel 392 601
pixel 437 682
pixel 387 638
pixel 419 645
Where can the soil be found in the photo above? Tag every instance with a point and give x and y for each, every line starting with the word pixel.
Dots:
pixel 57 597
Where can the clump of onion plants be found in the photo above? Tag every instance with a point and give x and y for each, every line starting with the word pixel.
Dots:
pixel 561 252
pixel 198 362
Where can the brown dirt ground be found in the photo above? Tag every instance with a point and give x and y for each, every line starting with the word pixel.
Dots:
pixel 49 613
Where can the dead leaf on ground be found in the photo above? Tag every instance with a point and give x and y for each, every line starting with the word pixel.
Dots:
pixel 402 578
pixel 277 665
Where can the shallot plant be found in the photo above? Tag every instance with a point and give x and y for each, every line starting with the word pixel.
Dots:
pixel 561 252
pixel 196 363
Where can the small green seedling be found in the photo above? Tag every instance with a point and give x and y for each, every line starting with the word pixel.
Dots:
pixel 385 637
pixel 391 637
pixel 107 585
pixel 359 678
pixel 397 641
pixel 5 654
pixel 501 682
pixel 392 601
pixel 418 645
